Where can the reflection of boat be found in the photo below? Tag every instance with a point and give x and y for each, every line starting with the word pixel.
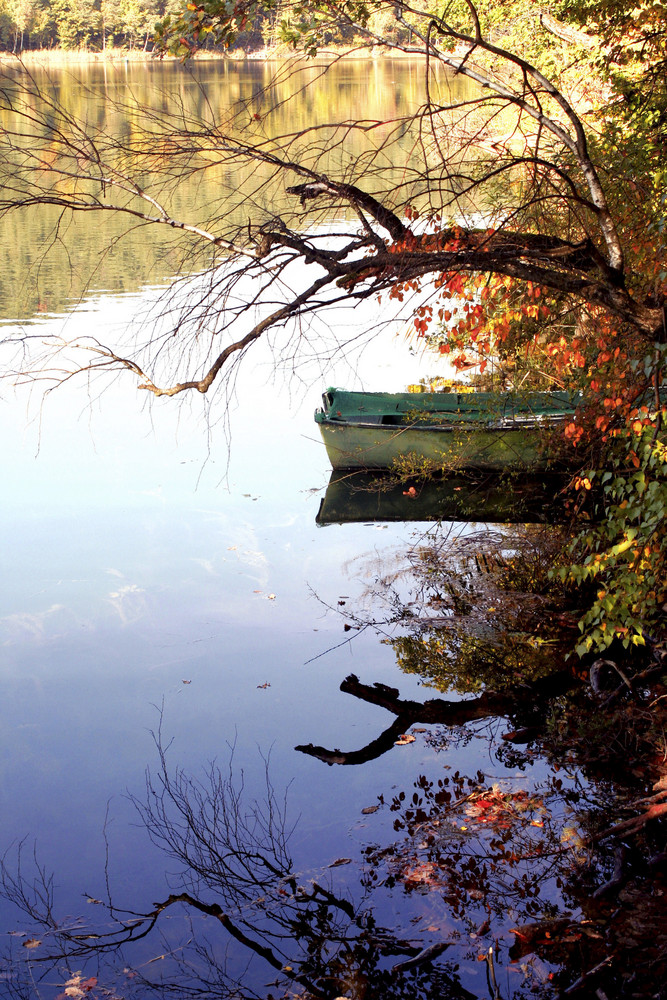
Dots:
pixel 481 430
pixel 366 496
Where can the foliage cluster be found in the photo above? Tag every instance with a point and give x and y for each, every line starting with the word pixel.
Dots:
pixel 623 559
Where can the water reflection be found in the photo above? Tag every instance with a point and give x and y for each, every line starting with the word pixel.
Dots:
pixel 156 109
pixel 365 496
pixel 527 710
pixel 466 886
pixel 235 879
pixel 110 608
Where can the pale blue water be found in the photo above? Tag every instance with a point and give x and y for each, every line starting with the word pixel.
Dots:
pixel 161 566
pixel 141 551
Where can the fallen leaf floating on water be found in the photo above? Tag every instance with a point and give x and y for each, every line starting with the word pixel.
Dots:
pixel 78 987
pixel 404 740
pixel 542 933
pixel 502 809
pixel 340 861
pixel 31 943
pixel 369 809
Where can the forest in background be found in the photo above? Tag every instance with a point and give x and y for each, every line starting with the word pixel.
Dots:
pixel 98 25
pixel 79 24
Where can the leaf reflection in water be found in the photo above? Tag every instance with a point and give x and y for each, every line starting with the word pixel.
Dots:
pixel 525 865
pixel 461 883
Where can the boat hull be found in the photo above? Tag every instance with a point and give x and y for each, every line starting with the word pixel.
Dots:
pixel 352 446
pixel 490 432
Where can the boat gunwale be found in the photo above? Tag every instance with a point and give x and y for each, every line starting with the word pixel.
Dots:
pixel 342 406
pixel 491 437
pixel 529 421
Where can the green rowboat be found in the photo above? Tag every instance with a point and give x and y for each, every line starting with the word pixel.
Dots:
pixel 447 430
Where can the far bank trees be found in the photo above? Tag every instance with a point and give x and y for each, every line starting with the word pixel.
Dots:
pixel 94 25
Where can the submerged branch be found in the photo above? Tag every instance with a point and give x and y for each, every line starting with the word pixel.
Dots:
pixel 435 711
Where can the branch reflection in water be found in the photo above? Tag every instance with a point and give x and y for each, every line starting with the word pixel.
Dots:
pixel 312 931
pixel 497 883
pixel 465 879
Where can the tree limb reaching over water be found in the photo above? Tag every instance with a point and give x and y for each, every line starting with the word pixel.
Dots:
pixel 506 178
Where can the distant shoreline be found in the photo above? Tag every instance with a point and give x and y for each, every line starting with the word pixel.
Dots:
pixel 51 57
pixel 73 57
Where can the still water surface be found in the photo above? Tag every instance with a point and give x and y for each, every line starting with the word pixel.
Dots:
pixel 143 103
pixel 155 576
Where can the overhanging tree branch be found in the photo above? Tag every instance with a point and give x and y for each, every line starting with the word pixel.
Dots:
pixel 556 229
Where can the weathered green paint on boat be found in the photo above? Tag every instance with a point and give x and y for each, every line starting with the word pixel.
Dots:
pixel 482 430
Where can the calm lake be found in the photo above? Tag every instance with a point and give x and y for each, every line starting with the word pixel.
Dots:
pixel 165 582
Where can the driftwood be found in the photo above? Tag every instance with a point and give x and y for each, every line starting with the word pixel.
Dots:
pixel 435 711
